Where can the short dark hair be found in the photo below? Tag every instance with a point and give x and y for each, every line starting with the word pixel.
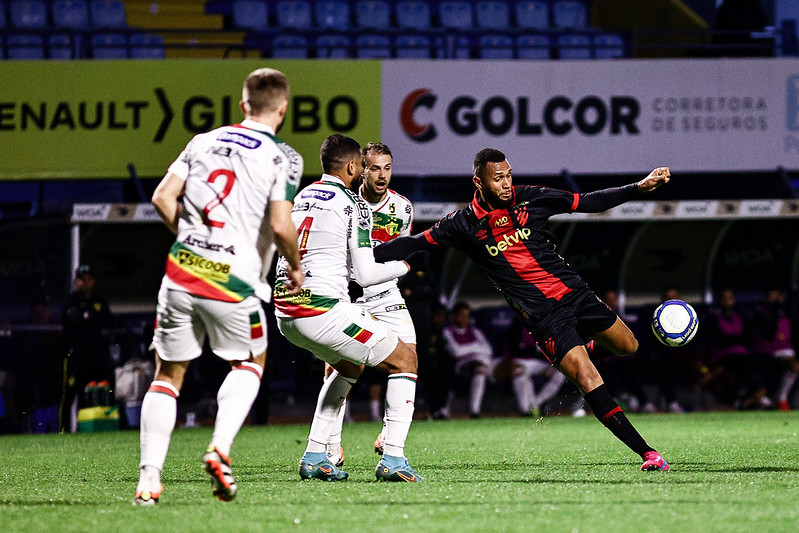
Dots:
pixel 484 157
pixel 265 89
pixel 337 150
pixel 459 306
pixel 377 148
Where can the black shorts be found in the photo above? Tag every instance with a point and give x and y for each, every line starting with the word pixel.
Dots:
pixel 571 322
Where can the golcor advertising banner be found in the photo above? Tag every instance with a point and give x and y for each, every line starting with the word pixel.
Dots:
pixel 87 119
pixel 593 116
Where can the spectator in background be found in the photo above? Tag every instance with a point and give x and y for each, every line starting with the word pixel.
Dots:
pixel 664 359
pixel 771 333
pixel 439 364
pixel 472 353
pixel 84 316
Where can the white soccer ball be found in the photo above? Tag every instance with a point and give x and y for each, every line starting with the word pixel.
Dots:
pixel 675 323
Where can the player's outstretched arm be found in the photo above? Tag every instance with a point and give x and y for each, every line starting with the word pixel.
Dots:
pixel 165 199
pixel 286 241
pixel 400 248
pixel 656 178
pixel 368 272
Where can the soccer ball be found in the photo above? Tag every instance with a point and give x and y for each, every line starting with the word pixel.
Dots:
pixel 675 323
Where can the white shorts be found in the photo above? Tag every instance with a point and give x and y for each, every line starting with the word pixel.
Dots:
pixel 236 331
pixel 393 313
pixel 344 332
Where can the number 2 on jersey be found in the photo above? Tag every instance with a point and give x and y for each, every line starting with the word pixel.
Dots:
pixel 302 235
pixel 230 178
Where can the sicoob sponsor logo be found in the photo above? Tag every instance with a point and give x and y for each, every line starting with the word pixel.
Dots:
pixel 203 267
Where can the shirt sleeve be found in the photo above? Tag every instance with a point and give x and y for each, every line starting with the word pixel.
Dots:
pixel 365 270
pixel 598 201
pixel 180 166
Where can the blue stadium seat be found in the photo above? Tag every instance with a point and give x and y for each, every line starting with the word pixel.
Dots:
pixel 495 47
pixel 109 46
pixel 2 17
pixel 532 14
pixel 608 46
pixel 573 46
pixel 456 14
pixel 250 14
pixel 333 46
pixel 23 46
pixel 492 15
pixel 572 14
pixel 533 46
pixel 374 14
pixel 60 46
pixel 28 14
pixel 290 47
pixel 412 47
pixel 108 14
pixel 332 14
pixel 72 14
pixel 373 46
pixel 294 14
pixel 147 46
pixel 413 14
pixel 453 47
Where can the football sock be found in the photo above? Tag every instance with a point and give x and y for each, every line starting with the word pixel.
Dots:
pixel 159 410
pixel 400 403
pixel 612 417
pixel 234 400
pixel 334 442
pixel 331 399
pixel 476 391
pixel 785 385
pixel 524 392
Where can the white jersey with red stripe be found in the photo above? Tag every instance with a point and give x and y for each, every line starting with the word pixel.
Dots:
pixel 225 243
pixel 392 217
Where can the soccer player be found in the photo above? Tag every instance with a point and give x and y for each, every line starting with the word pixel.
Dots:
pixel 392 217
pixel 335 226
pixel 505 231
pixel 237 184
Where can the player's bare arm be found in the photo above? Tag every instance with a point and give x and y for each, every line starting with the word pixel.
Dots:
pixel 656 178
pixel 165 199
pixel 286 241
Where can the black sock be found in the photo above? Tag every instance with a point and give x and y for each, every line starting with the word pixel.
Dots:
pixel 612 417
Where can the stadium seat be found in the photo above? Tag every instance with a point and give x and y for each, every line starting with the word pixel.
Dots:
pixel 60 46
pixel 533 46
pixel 453 47
pixel 608 46
pixel 109 46
pixel 72 14
pixel 23 46
pixel 332 14
pixel 572 14
pixel 290 47
pixel 293 14
pixel 412 47
pixel 532 14
pixel 492 15
pixel 374 14
pixel 373 46
pixel 495 47
pixel 147 46
pixel 573 46
pixel 250 14
pixel 413 14
pixel 108 14
pixel 333 46
pixel 28 14
pixel 2 17
pixel 456 14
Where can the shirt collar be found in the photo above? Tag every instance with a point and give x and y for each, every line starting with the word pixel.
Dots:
pixel 334 179
pixel 481 209
pixel 257 126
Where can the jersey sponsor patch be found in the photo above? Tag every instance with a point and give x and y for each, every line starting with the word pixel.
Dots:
pixel 203 277
pixel 239 138
pixel 303 304
pixel 317 194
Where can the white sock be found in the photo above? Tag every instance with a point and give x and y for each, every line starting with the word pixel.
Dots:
pixel 523 390
pixel 234 399
pixel 159 410
pixel 551 388
pixel 331 398
pixel 400 403
pixel 785 385
pixel 334 442
pixel 476 392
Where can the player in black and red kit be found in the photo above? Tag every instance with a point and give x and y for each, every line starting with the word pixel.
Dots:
pixel 505 231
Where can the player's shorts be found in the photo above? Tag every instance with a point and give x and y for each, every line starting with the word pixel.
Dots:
pixel 344 332
pixel 573 321
pixel 236 331
pixel 390 308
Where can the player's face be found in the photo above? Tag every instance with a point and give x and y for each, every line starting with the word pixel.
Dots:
pixel 496 185
pixel 377 176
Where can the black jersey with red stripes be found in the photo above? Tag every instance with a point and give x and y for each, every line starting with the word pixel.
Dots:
pixel 514 246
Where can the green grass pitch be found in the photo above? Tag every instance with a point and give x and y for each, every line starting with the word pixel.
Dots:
pixel 730 472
